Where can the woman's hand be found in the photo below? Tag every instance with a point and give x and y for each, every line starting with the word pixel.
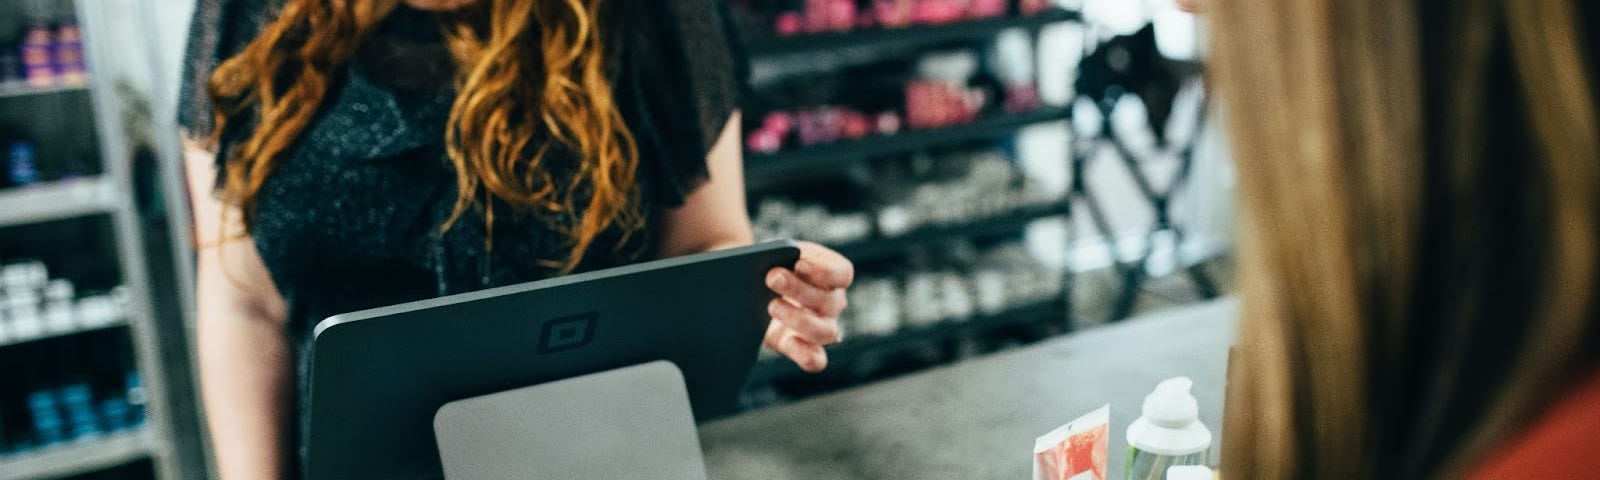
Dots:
pixel 805 317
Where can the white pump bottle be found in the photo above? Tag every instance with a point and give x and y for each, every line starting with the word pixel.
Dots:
pixel 1168 433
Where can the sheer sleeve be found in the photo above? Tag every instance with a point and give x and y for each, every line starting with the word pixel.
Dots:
pixel 681 80
pixel 220 29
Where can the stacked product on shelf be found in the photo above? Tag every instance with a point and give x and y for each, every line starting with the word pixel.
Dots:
pixel 34 306
pixel 786 18
pixel 878 127
pixel 996 280
pixel 938 90
pixel 68 390
pixel 49 54
pixel 92 358
pixel 21 165
pixel 987 186
pixel 56 395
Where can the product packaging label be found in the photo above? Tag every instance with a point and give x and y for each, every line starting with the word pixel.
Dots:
pixel 1075 451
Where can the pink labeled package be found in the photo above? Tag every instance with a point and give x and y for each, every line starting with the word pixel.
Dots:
pixel 1076 451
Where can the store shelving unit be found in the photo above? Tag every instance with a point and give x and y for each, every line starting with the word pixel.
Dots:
pixel 765 170
pixel 57 200
pixel 93 118
pixel 758 47
pixel 1013 221
pixel 75 331
pixel 760 167
pixel 79 458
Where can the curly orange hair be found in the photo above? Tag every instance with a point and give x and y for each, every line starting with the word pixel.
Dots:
pixel 530 76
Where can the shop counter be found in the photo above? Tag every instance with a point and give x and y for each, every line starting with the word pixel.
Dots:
pixel 978 418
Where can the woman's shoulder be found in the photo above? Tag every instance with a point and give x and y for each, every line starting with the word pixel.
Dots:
pixel 1560 444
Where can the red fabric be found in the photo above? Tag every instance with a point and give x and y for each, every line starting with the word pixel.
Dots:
pixel 1562 444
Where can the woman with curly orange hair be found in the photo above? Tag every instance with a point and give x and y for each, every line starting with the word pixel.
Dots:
pixel 350 154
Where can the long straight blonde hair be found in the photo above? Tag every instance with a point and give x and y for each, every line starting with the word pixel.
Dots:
pixel 1418 252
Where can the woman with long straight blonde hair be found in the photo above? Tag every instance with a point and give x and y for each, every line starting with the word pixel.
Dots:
pixel 1420 184
pixel 349 154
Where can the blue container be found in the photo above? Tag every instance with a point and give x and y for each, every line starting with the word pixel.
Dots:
pixel 114 414
pixel 22 163
pixel 48 429
pixel 78 404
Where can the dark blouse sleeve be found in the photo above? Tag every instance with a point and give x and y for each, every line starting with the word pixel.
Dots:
pixel 683 71
pixel 220 29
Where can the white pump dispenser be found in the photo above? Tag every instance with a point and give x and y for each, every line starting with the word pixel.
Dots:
pixel 1168 433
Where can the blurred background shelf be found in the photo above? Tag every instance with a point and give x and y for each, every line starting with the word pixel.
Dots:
pixel 76 458
pixel 12 339
pixel 760 48
pixel 19 92
pixel 56 200
pixel 847 152
pixel 853 349
pixel 1007 222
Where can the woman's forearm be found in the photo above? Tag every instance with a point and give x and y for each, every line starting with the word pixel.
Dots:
pixel 245 379
pixel 244 352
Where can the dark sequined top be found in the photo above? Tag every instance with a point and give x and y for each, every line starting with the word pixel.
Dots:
pixel 350 218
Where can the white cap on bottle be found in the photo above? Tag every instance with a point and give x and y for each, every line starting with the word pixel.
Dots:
pixel 1190 472
pixel 1170 421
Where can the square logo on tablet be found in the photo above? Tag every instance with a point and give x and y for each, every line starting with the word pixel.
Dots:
pixel 567 333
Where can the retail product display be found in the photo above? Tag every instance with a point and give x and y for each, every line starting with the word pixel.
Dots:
pixel 938 90
pixel 56 395
pixel 21 163
pixel 989 187
pixel 35 306
pixel 785 18
pixel 1075 451
pixel 997 280
pixel 1168 433
pixel 47 55
pixel 22 168
pixel 85 190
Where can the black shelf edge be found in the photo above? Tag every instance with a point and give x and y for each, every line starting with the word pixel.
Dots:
pixel 763 47
pixel 851 350
pixel 846 152
pixel 1012 221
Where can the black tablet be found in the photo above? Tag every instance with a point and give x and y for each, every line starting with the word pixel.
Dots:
pixel 378 376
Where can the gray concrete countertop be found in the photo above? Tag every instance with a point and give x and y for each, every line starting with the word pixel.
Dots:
pixel 978 419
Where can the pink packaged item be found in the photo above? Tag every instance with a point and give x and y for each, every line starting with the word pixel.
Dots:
pixel 1076 451
pixel 892 13
pixel 986 9
pixel 817 15
pixel 841 15
pixel 789 24
pixel 1031 7
pixel 937 12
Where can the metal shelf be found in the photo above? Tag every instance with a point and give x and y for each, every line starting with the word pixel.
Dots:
pixel 853 349
pixel 1013 221
pixel 56 200
pixel 10 339
pixel 77 458
pixel 764 47
pixel 21 92
pixel 847 152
